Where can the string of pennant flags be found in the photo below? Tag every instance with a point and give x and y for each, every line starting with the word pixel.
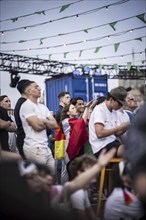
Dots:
pixel 111 24
pixel 109 57
pixel 61 18
pixel 65 54
pixel 42 12
pixel 96 50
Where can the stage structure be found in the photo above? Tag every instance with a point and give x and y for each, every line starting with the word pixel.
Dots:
pixel 30 65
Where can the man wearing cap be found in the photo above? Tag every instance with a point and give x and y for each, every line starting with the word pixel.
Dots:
pixel 103 123
pixel 36 118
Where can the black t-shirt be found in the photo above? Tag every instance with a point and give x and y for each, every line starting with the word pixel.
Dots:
pixel 20 130
pixel 4 133
pixel 58 114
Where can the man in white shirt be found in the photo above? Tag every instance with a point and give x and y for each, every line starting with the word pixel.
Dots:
pixel 36 118
pixel 103 123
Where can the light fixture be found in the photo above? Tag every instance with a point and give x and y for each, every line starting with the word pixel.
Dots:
pixel 87 70
pixel 76 72
pixel 77 16
pixel 97 73
pixel 14 78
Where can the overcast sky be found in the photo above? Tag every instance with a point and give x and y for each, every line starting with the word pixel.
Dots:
pixel 15 9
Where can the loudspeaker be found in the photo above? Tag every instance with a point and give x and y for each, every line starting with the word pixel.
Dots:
pixel 14 78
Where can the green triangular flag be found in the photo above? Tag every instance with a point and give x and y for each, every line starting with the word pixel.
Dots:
pixel 141 17
pixel 97 49
pixel 60 34
pixel 143 61
pixel 40 12
pixel 65 54
pixel 50 56
pixel 22 41
pixel 80 53
pixel 43 12
pixel 138 68
pixel 129 66
pixel 140 39
pixel 41 41
pixel 64 7
pixel 86 30
pixel 116 46
pixel 14 19
pixel 116 66
pixel 113 25
pixel 100 67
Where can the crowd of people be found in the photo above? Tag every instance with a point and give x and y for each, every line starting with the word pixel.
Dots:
pixel 34 184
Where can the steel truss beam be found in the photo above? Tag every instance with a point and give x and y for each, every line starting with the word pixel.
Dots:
pixel 29 65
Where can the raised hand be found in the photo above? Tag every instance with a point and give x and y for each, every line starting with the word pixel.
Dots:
pixel 105 157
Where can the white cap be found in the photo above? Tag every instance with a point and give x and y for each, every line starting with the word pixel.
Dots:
pixel 25 169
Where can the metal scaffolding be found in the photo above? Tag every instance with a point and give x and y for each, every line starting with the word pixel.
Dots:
pixel 31 65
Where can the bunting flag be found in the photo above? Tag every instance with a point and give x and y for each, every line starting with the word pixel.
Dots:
pixel 41 41
pixel 113 25
pixel 141 17
pixel 64 7
pixel 129 64
pixel 65 54
pixel 138 68
pixel 61 34
pixel 100 67
pixel 115 66
pixel 14 19
pixel 40 12
pixel 116 46
pixel 139 38
pixel 50 56
pixel 22 41
pixel 80 53
pixel 97 49
pixel 78 137
pixel 86 30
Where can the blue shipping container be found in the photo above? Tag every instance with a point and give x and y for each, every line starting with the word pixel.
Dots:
pixel 87 87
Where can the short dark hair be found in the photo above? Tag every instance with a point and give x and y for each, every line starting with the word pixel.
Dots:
pixel 62 94
pixel 20 85
pixel 79 163
pixel 74 100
